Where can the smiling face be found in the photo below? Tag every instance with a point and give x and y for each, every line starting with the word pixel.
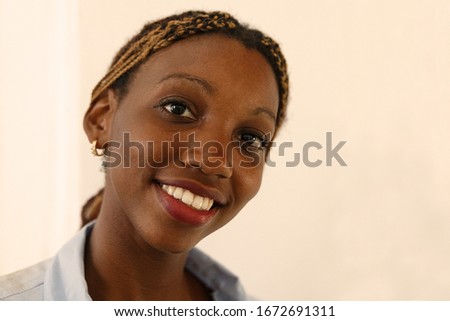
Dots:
pixel 209 89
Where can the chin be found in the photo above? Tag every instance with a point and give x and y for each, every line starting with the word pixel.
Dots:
pixel 174 247
pixel 166 241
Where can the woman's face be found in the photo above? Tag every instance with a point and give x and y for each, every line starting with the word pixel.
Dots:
pixel 183 113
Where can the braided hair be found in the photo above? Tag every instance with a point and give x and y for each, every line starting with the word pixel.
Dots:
pixel 161 34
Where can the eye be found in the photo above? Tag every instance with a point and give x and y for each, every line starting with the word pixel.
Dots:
pixel 176 107
pixel 252 141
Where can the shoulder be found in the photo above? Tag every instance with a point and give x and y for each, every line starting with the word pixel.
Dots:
pixel 224 284
pixel 26 284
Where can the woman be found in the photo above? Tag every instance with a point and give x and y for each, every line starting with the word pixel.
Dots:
pixel 184 117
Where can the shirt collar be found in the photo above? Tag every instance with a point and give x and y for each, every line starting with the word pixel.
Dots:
pixel 65 278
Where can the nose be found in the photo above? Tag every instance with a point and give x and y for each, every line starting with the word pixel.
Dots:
pixel 211 158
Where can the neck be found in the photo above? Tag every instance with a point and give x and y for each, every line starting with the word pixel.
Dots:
pixel 119 266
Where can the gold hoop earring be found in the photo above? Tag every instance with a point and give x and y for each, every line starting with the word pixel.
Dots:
pixel 97 151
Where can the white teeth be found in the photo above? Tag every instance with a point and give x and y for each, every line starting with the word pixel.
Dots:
pixel 197 203
pixel 207 203
pixel 187 197
pixel 178 193
pixel 170 189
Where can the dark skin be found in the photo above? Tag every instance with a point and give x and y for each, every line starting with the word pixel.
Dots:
pixel 137 251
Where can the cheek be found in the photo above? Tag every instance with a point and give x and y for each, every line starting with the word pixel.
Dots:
pixel 245 184
pixel 143 145
pixel 131 174
pixel 248 182
pixel 247 172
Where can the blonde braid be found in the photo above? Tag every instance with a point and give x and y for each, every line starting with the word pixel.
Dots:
pixel 91 209
pixel 162 33
pixel 284 79
pixel 160 38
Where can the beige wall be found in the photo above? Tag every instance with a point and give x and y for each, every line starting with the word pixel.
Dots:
pixel 374 73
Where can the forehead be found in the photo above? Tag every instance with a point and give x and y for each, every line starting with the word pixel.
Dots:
pixel 232 69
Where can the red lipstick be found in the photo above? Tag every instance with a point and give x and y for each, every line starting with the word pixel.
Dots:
pixel 182 212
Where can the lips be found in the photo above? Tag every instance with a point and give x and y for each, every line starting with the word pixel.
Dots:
pixel 189 202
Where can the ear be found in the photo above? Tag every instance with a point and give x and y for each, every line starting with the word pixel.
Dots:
pixel 98 119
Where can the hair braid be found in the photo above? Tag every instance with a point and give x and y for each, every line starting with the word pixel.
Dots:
pixel 283 76
pixel 164 32
pixel 91 209
pixel 161 34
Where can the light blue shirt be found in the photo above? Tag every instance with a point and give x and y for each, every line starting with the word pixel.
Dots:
pixel 62 277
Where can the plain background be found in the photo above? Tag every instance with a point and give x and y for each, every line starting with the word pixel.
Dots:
pixel 374 73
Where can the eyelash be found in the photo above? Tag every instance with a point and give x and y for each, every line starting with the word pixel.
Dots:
pixel 247 144
pixel 163 104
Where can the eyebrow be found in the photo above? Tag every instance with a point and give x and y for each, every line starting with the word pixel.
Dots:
pixel 200 81
pixel 211 89
pixel 264 110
